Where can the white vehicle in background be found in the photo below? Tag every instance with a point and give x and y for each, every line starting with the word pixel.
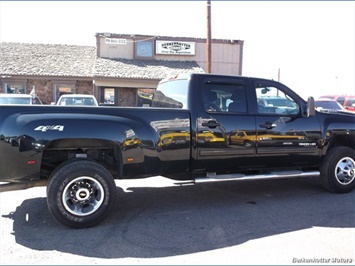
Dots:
pixel 12 98
pixel 77 100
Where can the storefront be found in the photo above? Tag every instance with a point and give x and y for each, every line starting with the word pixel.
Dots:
pixel 121 70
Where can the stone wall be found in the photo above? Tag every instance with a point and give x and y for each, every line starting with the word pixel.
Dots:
pixel 84 87
pixel 127 97
pixel 45 89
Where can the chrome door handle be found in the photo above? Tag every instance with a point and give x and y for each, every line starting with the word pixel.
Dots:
pixel 268 125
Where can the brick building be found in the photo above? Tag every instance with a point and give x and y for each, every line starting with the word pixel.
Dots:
pixel 117 71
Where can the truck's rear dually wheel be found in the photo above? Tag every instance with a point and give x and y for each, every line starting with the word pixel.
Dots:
pixel 338 170
pixel 83 196
pixel 81 193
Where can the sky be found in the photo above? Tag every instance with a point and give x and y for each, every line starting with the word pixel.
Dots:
pixel 307 45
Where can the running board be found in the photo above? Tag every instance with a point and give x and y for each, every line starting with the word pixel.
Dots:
pixel 212 177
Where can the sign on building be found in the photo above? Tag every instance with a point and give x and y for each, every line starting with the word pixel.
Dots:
pixel 174 48
pixel 115 41
pixel 144 49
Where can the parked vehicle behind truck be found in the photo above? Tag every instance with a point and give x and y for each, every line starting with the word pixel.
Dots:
pixel 347 101
pixel 77 100
pixel 11 98
pixel 189 135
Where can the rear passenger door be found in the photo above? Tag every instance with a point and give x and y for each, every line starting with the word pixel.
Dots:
pixel 225 128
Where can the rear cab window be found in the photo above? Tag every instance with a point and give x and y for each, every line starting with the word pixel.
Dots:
pixel 172 93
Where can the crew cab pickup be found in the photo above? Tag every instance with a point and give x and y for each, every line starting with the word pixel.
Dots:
pixel 199 128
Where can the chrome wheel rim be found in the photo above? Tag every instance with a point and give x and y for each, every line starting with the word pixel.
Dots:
pixel 345 171
pixel 83 196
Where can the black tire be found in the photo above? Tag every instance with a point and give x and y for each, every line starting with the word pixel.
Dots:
pixel 338 170
pixel 248 144
pixel 81 194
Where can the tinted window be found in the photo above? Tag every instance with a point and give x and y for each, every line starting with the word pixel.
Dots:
pixel 350 102
pixel 219 97
pixel 341 100
pixel 272 100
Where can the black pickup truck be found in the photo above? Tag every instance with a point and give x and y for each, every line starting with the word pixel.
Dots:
pixel 199 128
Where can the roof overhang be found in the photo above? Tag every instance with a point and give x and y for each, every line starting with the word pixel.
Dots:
pixel 126 82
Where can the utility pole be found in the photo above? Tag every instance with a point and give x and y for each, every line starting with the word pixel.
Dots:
pixel 208 44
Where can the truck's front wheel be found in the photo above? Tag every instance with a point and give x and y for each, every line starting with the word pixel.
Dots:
pixel 81 194
pixel 338 170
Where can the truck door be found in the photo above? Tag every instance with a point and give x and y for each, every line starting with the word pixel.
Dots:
pixel 226 131
pixel 283 133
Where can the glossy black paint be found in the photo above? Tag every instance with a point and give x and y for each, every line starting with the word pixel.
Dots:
pixel 133 133
pixel 249 153
pixel 139 142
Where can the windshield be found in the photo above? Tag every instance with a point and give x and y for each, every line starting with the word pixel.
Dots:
pixel 328 105
pixel 77 101
pixel 279 102
pixel 17 100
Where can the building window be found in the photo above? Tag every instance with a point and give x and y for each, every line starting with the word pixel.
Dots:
pixel 144 50
pixel 145 97
pixel 14 87
pixel 62 88
pixel 109 96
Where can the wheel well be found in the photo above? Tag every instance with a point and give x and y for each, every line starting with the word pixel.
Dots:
pixel 105 152
pixel 342 140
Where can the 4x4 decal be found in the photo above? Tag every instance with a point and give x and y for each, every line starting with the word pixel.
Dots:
pixel 52 127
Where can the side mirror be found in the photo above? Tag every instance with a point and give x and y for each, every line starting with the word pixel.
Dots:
pixel 311 107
